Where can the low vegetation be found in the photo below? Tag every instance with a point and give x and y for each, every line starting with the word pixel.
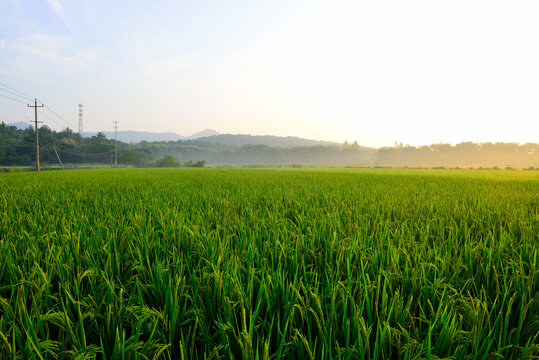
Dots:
pixel 171 161
pixel 269 264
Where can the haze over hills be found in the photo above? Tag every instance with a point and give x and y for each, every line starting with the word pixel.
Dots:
pixel 132 136
pixel 207 136
pixel 17 149
pixel 212 137
pixel 20 125
pixel 238 140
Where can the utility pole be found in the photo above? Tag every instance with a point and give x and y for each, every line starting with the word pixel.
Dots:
pixel 58 156
pixel 35 106
pixel 80 119
pixel 116 141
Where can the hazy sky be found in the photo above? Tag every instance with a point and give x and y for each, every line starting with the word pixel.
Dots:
pixel 377 72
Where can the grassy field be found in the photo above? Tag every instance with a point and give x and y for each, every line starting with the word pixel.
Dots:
pixel 9 169
pixel 269 264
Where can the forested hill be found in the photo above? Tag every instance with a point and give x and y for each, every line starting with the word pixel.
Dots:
pixel 210 138
pixel 235 141
pixel 130 136
pixel 17 147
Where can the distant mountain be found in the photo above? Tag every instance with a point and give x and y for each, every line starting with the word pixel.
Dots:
pixel 234 141
pixel 208 137
pixel 131 136
pixel 203 133
pixel 20 125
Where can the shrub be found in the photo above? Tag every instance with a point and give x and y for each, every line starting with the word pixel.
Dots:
pixel 168 161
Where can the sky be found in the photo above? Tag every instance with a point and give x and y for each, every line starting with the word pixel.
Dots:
pixel 375 72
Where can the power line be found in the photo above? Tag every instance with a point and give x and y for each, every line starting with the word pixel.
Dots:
pixel 51 119
pixel 85 154
pixel 20 92
pixel 42 113
pixel 59 116
pixel 76 152
pixel 55 113
pixel 7 97
pixel 13 146
pixel 14 93
pixel 28 97
pixel 72 152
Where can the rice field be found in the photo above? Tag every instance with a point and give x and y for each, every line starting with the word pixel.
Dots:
pixel 269 264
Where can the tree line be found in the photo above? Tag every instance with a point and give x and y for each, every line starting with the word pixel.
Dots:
pixel 17 147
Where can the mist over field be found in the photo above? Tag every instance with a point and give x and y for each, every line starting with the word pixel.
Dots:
pixel 461 155
pixel 17 149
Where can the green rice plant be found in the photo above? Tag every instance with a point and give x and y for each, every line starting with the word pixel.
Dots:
pixel 269 264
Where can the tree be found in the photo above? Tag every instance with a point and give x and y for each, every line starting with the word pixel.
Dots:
pixel 135 156
pixel 168 161
pixel 99 139
pixel 198 164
